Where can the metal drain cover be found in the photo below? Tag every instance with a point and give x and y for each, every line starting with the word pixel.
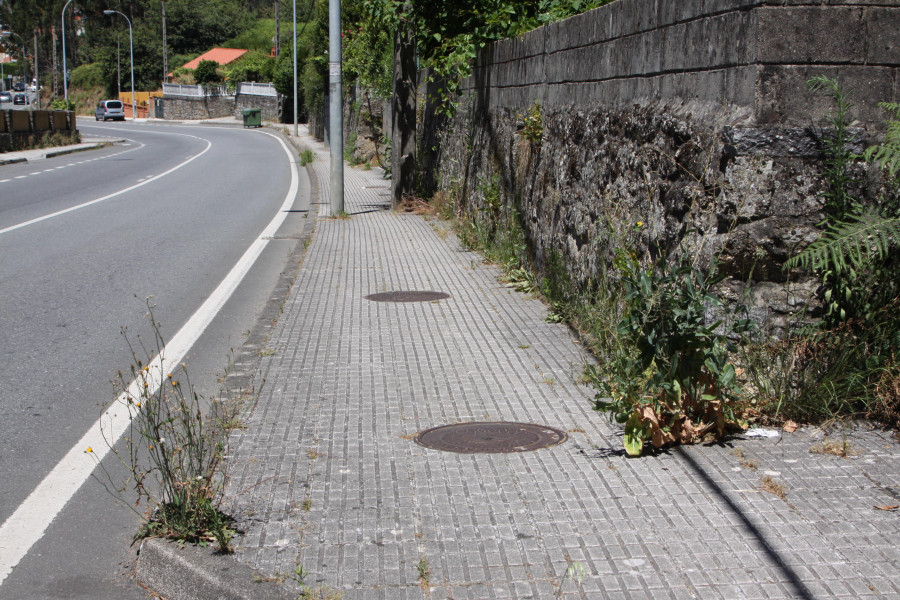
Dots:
pixel 490 437
pixel 410 296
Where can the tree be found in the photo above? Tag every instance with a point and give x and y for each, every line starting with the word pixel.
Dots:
pixel 207 73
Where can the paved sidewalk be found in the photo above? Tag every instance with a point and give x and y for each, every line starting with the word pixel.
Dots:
pixel 326 476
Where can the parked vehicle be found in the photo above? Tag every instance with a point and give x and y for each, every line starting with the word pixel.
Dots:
pixel 5 97
pixel 20 99
pixel 110 109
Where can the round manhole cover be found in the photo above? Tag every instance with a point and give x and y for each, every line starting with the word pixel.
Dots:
pixel 483 438
pixel 410 296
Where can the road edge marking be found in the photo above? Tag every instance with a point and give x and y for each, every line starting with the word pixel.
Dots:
pixel 29 522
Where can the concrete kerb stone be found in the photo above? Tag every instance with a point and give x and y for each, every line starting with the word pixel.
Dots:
pixel 188 571
pixel 195 573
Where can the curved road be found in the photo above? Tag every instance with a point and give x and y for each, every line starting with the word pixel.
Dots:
pixel 84 239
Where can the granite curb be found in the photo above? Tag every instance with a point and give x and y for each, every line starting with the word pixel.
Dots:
pixel 187 572
pixel 22 156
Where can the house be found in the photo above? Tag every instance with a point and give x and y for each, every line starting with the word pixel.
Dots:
pixel 223 56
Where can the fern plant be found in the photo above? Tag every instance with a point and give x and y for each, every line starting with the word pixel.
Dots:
pixel 888 153
pixel 852 244
pixel 835 144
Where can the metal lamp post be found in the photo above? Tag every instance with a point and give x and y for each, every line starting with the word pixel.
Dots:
pixel 131 41
pixel 65 73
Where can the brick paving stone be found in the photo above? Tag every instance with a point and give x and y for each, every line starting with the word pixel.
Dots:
pixel 326 474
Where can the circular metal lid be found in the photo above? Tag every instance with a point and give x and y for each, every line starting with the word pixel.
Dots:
pixel 409 296
pixel 489 437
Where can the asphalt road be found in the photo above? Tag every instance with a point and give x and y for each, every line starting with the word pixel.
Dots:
pixel 173 209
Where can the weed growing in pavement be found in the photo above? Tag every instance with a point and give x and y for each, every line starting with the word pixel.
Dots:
pixel 306 157
pixel 574 572
pixel 767 484
pixel 841 448
pixel 173 450
pixel 424 572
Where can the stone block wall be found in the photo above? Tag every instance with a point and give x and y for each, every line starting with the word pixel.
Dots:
pixel 202 107
pixel 270 106
pixel 689 117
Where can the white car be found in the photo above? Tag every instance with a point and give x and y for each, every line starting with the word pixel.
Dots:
pixel 110 109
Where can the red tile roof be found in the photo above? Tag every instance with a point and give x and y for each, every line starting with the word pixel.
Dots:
pixel 223 56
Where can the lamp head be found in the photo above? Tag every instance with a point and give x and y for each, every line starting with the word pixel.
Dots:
pixel 109 12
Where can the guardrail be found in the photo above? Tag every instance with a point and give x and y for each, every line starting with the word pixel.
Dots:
pixel 248 88
pixel 194 91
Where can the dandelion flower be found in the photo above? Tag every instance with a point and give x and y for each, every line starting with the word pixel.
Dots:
pixel 640 223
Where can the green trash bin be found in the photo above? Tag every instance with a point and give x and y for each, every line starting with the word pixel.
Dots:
pixel 252 117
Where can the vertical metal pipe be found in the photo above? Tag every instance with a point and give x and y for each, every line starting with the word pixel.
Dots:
pixel 295 68
pixel 65 73
pixel 336 113
pixel 165 44
pixel 37 79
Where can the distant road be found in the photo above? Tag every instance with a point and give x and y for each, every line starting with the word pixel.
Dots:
pixel 84 239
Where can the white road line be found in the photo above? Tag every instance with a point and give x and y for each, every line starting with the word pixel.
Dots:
pixel 30 520
pixel 113 195
pixel 21 176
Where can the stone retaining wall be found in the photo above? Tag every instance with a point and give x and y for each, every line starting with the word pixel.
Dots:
pixel 691 118
pixel 192 108
pixel 21 129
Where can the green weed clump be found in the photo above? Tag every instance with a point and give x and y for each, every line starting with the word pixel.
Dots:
pixel 307 156
pixel 670 378
pixel 844 364
pixel 172 453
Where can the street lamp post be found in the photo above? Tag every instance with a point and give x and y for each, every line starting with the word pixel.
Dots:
pixel 131 41
pixel 65 73
pixel 295 68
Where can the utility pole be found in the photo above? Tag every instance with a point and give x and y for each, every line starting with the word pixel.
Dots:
pixel 65 72
pixel 403 110
pixel 165 46
pixel 37 80
pixel 277 40
pixel 54 66
pixel 336 112
pixel 295 68
pixel 118 68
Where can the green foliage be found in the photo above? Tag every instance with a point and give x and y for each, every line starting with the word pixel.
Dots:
pixel 87 76
pixel 258 37
pixel 207 72
pixel 887 155
pixel 671 377
pixel 449 33
pixel 172 451
pixel 198 25
pixel 532 125
pixel 306 157
pixel 851 245
pixel 253 66
pixel 845 364
pixel 836 147
pixel 367 58
pixel 62 104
